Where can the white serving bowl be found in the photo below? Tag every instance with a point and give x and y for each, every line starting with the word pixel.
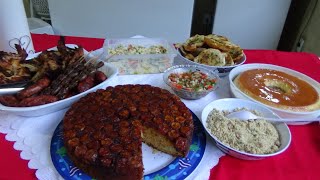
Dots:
pixel 109 70
pixel 233 103
pixel 236 92
pixel 222 70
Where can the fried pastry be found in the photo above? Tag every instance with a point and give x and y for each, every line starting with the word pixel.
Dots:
pixel 236 53
pixel 212 57
pixel 194 42
pixel 217 42
pixel 198 48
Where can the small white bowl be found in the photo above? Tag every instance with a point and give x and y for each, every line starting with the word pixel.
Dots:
pixel 190 94
pixel 236 92
pixel 233 103
pixel 222 70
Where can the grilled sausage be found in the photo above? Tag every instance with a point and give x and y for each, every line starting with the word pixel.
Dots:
pixel 85 84
pixel 38 100
pixel 99 77
pixel 9 100
pixel 34 88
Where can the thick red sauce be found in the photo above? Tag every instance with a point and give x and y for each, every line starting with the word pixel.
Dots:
pixel 277 88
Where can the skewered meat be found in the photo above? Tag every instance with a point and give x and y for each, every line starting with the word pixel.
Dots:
pixel 71 77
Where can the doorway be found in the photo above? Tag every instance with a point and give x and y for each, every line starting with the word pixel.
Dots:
pixel 203 17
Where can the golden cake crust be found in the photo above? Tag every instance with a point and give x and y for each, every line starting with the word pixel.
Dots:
pixel 102 131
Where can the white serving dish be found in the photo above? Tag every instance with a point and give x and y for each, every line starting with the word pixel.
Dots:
pixel 109 70
pixel 140 63
pixel 222 70
pixel 233 103
pixel 236 92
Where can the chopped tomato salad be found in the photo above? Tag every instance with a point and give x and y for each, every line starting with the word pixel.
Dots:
pixel 192 81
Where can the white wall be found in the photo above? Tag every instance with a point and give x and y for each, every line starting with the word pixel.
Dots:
pixel 253 24
pixel 123 18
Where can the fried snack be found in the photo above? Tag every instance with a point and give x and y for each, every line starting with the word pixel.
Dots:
pixel 182 51
pixel 190 56
pixel 236 54
pixel 194 42
pixel 229 59
pixel 198 51
pixel 228 53
pixel 217 37
pixel 217 42
pixel 211 57
pixel 222 43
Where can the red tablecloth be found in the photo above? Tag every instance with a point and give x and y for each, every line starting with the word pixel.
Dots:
pixel 300 161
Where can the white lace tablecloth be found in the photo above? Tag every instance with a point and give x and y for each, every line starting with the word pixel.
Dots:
pixel 32 135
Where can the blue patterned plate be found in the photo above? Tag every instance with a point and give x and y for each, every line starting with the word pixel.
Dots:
pixel 167 167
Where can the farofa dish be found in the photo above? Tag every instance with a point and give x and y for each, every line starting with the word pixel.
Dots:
pixel 251 136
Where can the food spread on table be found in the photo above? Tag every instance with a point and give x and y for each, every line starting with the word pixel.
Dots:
pixel 103 131
pixel 256 136
pixel 212 50
pixel 54 75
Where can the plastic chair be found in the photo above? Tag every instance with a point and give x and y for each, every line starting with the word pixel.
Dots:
pixel 40 8
pixel 40 17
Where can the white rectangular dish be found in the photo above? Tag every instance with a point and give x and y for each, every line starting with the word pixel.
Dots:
pixel 109 70
pixel 140 60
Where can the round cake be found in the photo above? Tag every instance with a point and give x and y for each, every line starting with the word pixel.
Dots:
pixel 103 131
pixel 278 89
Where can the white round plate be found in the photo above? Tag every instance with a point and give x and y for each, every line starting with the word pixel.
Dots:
pixel 236 92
